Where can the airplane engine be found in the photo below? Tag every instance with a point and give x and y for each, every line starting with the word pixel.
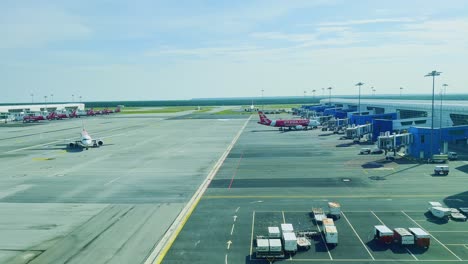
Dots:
pixel 298 127
pixel 71 145
pixel 100 143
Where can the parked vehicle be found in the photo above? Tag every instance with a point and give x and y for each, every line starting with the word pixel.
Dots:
pixel 365 151
pixel 452 155
pixel 441 170
pixel 383 234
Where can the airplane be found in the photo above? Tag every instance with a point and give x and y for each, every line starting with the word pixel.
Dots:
pixel 32 118
pixel 77 114
pixel 90 112
pixel 290 124
pixel 86 141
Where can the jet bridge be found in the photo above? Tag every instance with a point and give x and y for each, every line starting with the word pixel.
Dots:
pixel 357 132
pixel 394 142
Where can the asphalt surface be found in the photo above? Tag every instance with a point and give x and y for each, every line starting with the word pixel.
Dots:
pixel 103 205
pixel 272 177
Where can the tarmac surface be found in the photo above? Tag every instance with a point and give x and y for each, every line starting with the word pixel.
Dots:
pixel 103 205
pixel 272 177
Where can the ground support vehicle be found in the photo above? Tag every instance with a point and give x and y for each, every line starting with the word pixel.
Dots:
pixel 441 170
pixel 421 237
pixel 383 234
pixel 331 235
pixel 334 210
pixel 403 236
pixel 319 215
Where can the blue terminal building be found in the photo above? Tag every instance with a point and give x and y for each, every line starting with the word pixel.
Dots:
pixel 390 117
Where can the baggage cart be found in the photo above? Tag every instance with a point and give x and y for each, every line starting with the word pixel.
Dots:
pixel 383 234
pixel 274 232
pixel 331 235
pixel 319 215
pixel 290 242
pixel 287 228
pixel 334 209
pixel 403 236
pixel 421 237
pixel 328 222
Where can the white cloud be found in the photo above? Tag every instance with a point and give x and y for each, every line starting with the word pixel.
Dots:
pixel 367 21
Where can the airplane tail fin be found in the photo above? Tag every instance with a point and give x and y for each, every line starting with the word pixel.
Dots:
pixel 263 118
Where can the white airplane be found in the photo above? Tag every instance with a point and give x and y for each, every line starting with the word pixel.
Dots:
pixel 86 141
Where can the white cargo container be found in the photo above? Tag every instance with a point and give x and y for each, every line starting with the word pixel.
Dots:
pixel 403 236
pixel 334 209
pixel 263 245
pixel 274 232
pixel 440 212
pixel 287 228
pixel 421 237
pixel 275 246
pixel 331 235
pixel 318 214
pixel 328 222
pixel 435 204
pixel 290 242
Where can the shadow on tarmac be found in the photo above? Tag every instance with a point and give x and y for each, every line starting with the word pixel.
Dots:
pixel 344 145
pixel 463 168
pixel 65 147
pixel 457 200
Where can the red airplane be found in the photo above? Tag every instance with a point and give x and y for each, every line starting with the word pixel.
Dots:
pixel 90 112
pixel 106 111
pixel 32 118
pixel 60 115
pixel 117 110
pixel 290 124
pixel 73 114
pixel 52 115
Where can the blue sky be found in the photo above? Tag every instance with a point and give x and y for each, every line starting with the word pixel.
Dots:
pixel 159 50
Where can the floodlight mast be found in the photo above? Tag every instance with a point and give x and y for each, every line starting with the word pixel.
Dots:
pixel 401 88
pixel 442 93
pixel 329 95
pixel 433 74
pixel 359 98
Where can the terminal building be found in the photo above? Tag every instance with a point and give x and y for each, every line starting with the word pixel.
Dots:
pixel 405 122
pixel 13 112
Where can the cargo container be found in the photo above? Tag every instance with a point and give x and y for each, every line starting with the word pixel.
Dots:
pixel 263 245
pixel 287 228
pixel 328 222
pixel 275 246
pixel 331 235
pixel 274 232
pixel 290 242
pixel 403 236
pixel 334 209
pixel 383 234
pixel 440 212
pixel 318 214
pixel 421 237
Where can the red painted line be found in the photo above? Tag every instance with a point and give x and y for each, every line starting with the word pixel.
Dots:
pixel 235 172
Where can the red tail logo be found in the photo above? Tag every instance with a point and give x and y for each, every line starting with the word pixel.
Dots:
pixel 264 119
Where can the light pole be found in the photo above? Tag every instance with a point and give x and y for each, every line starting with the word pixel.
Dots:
pixel 401 88
pixel 373 90
pixel 359 98
pixel 80 98
pixel 323 92
pixel 51 98
pixel 32 98
pixel 305 93
pixel 45 102
pixel 73 98
pixel 262 100
pixel 442 92
pixel 313 92
pixel 329 95
pixel 433 74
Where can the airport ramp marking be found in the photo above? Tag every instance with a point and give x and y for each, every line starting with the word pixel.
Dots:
pixel 324 240
pixel 433 237
pixel 326 196
pixel 13 190
pixel 251 235
pixel 354 230
pixel 161 249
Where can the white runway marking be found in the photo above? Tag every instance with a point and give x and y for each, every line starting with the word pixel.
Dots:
pixel 232 229
pixel 18 188
pixel 364 245
pixel 111 181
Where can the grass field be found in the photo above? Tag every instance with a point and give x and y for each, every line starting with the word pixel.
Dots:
pixel 175 109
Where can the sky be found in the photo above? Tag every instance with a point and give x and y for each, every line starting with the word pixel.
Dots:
pixel 175 50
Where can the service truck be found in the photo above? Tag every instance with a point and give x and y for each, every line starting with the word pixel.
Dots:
pixel 403 236
pixel 421 237
pixel 383 234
